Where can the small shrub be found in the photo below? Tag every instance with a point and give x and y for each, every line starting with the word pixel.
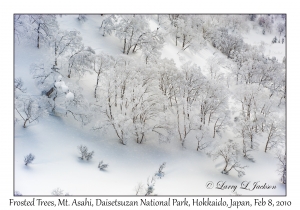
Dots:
pixel 84 153
pixel 102 165
pixel 160 172
pixel 28 159
pixel 150 186
pixel 89 155
pixel 59 192
pixel 17 193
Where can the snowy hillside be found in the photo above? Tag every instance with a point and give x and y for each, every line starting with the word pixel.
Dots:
pixel 174 104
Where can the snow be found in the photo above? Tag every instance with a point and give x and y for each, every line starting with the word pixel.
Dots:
pixel 256 38
pixel 64 88
pixel 54 140
pixel 70 96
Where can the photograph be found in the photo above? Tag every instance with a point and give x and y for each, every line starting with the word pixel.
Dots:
pixel 149 104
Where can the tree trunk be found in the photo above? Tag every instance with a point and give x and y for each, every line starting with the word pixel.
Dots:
pixel 55 49
pixel 215 128
pixel 134 48
pixel 269 138
pixel 251 139
pixel 24 125
pixel 124 48
pixel 95 94
pixel 38 39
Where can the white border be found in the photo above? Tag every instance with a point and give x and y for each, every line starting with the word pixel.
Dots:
pixel 151 6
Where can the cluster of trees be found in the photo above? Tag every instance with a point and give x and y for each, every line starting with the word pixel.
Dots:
pixel 67 56
pixel 137 99
pixel 135 34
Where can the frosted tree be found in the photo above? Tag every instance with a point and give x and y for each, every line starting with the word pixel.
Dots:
pixel 265 22
pixel 131 29
pixel 44 27
pixel 80 60
pixel 230 44
pixel 102 63
pixel 64 41
pixel 237 22
pixel 108 24
pixel 213 66
pixel 228 152
pixel 275 132
pixel 73 102
pixel 18 85
pixel 203 140
pixel 280 28
pixel 244 129
pixel 45 75
pixel 59 93
pixel 248 97
pixel 144 102
pixel 174 27
pixel 30 109
pixel 151 45
pixel 213 104
pixel 222 120
pixel 23 28
pixel 187 29
pixel 282 166
pixel 227 43
pixel 186 92
pixel 190 30
pixel 168 76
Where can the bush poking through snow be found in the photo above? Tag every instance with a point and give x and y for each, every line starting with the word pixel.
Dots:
pixel 89 155
pixel 84 153
pixel 160 173
pixel 102 165
pixel 150 186
pixel 59 192
pixel 17 193
pixel 28 159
